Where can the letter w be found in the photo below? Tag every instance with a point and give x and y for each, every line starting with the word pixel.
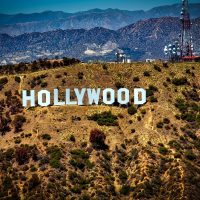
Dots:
pixel 93 96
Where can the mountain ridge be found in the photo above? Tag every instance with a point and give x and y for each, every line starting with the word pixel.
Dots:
pixel 109 18
pixel 141 40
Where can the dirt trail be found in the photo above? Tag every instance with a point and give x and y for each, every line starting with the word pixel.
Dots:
pixel 21 83
pixel 149 123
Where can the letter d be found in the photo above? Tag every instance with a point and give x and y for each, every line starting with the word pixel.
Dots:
pixel 143 95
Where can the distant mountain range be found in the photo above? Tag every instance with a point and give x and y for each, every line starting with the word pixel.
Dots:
pixel 112 19
pixel 141 40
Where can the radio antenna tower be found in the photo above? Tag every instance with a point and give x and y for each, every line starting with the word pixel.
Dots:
pixel 186 36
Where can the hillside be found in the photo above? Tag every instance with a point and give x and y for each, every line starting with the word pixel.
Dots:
pixel 110 19
pixel 149 152
pixel 142 40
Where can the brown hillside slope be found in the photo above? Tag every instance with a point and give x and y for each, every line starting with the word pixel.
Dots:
pixel 46 153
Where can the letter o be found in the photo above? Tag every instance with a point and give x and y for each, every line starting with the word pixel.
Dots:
pixel 40 100
pixel 105 96
pixel 119 96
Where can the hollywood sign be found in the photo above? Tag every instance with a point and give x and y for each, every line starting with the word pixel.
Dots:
pixel 109 96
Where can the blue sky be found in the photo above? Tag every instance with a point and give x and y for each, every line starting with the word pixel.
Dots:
pixel 29 6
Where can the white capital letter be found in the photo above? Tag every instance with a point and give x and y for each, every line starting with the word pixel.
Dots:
pixel 47 98
pixel 80 95
pixel 68 101
pixel 26 98
pixel 56 100
pixel 112 96
pixel 143 96
pixel 127 96
pixel 93 96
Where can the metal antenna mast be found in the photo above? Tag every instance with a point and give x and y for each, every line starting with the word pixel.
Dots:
pixel 186 36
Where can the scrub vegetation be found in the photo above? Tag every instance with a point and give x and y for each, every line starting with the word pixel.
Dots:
pixel 101 152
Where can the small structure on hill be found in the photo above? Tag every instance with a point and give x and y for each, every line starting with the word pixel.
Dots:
pixel 150 60
pixel 122 57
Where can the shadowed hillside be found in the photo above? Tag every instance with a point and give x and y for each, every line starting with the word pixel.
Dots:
pixel 102 152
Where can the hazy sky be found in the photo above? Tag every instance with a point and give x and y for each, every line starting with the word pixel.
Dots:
pixel 29 6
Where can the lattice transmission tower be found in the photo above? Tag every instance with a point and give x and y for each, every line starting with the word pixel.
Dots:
pixel 186 35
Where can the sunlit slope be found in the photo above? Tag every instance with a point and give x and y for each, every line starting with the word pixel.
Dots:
pixel 153 152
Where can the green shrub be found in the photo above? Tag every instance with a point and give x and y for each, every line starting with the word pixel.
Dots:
pixel 139 118
pixel 157 68
pixel 9 154
pixel 55 156
pixel 194 107
pixel 70 61
pixel 123 176
pixel 72 138
pixel 33 168
pixel 181 105
pixel 3 81
pixel 190 155
pixel 165 84
pixel 76 189
pixel 46 137
pixel 119 85
pixel 178 116
pixel 133 130
pixel 134 153
pixel 153 88
pixel 136 79
pixel 166 121
pixel 149 92
pixel 7 183
pixel 191 134
pixel 18 122
pixel 83 144
pixel 162 150
pixel 175 144
pixel 22 155
pixel 80 75
pixel 153 99
pixel 58 76
pixel 191 95
pixel 180 81
pixel 168 80
pixel 105 118
pixel 159 125
pixel 125 190
pixel 77 163
pixel 79 153
pixel 165 65
pixel 17 79
pixel 85 197
pixel 123 146
pixel 187 71
pixel 80 159
pixel 18 141
pixel 34 182
pixel 132 110
pixel 146 73
pixel 44 84
pixel 143 112
pixel 189 117
pixel 105 67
